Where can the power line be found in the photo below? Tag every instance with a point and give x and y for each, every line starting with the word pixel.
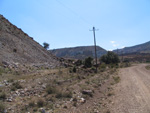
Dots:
pixel 73 12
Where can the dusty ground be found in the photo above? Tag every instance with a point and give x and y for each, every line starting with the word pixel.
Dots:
pixel 132 94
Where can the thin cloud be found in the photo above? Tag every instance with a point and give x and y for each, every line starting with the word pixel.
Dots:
pixel 115 45
pixel 112 42
pixel 122 47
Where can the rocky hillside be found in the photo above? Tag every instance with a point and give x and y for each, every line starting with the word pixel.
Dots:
pixel 138 49
pixel 78 52
pixel 16 47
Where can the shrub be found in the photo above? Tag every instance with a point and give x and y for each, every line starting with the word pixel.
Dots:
pixel 110 94
pixel 74 69
pixel 1 71
pixel 31 104
pixel 11 80
pixel 40 103
pixel 16 85
pixel 116 79
pixel 59 95
pixel 14 50
pixel 148 67
pixel 50 89
pixel 103 66
pixel 66 94
pixel 2 107
pixel 2 95
pixel 88 62
pixel 110 58
pixel 78 62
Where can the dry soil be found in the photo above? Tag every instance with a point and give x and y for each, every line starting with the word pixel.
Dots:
pixel 132 94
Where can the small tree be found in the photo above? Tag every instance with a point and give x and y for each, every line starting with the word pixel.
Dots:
pixel 88 62
pixel 45 45
pixel 109 58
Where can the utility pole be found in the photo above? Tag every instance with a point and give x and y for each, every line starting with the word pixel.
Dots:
pixel 117 51
pixel 122 55
pixel 95 46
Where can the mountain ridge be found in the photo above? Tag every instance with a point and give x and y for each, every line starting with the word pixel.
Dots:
pixel 79 52
pixel 138 49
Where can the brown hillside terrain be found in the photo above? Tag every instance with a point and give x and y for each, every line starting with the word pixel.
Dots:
pixel 17 47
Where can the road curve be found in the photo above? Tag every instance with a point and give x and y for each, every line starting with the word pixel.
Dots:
pixel 132 93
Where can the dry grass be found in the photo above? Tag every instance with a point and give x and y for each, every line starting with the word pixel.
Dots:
pixel 148 67
pixel 116 79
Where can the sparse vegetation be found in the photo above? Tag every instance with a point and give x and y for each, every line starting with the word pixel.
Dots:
pixel 78 62
pixel 11 80
pixel 148 67
pixel 110 94
pixel 2 107
pixel 15 85
pixel 40 103
pixel 74 69
pixel 116 79
pixel 31 104
pixel 51 89
pixel 88 62
pixel 31 79
pixel 2 96
pixel 63 94
pixel 125 64
pixel 1 70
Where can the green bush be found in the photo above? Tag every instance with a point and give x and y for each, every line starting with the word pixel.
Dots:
pixel 88 62
pixel 110 58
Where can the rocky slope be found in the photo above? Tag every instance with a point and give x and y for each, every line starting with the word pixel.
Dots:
pixel 17 47
pixel 78 52
pixel 138 49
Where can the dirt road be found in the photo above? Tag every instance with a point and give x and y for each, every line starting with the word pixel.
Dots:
pixel 132 94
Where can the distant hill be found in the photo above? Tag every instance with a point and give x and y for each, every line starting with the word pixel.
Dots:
pixel 17 47
pixel 138 49
pixel 80 52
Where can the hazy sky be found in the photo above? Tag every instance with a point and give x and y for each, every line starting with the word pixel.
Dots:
pixel 66 23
